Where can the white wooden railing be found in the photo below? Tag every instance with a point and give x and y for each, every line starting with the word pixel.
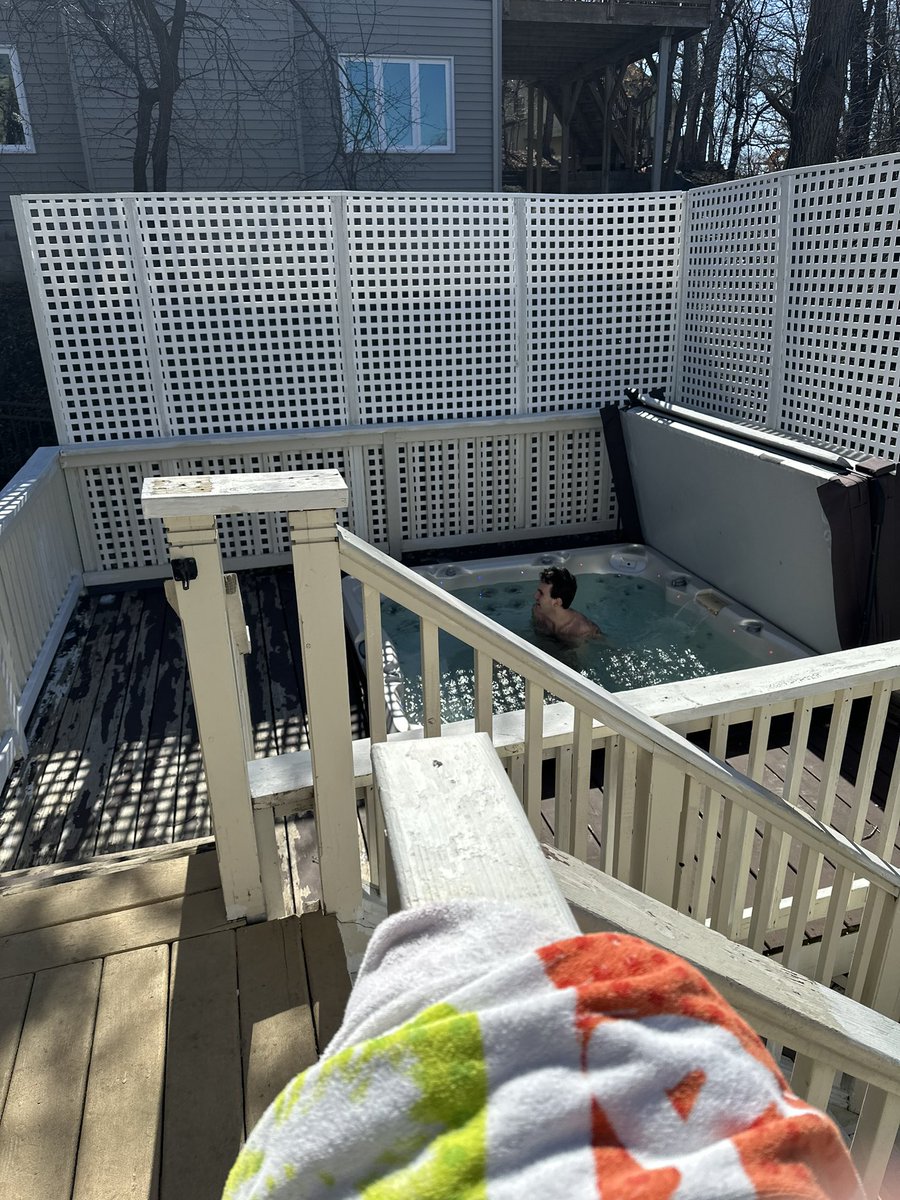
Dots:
pixel 667 804
pixel 676 821
pixel 456 832
pixel 40 579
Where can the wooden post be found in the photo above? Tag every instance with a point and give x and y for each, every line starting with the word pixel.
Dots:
pixel 207 642
pixel 317 574
pixel 662 97
pixel 188 506
pixel 529 142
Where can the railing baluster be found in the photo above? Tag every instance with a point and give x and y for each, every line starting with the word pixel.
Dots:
pixel 563 799
pixel 375 687
pixel 834 924
pixel 710 806
pixel 374 664
pixel 811 1080
pixel 484 692
pixel 581 782
pixel 688 837
pixel 810 863
pixel 873 1141
pixel 534 759
pixel 868 759
pixel 792 780
pixel 626 779
pixel 610 804
pixel 738 836
pixel 769 884
pixel 431 679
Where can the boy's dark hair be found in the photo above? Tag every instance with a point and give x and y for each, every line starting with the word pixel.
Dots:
pixel 563 584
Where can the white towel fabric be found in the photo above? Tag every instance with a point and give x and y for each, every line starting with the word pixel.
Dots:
pixel 482 1058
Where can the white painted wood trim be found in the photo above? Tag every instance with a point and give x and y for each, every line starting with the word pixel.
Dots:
pixel 456 829
pixel 78 456
pixel 269 491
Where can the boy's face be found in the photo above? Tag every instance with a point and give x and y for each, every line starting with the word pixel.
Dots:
pixel 543 601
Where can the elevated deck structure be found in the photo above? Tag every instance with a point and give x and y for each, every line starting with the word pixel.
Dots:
pixel 573 54
pixel 451 405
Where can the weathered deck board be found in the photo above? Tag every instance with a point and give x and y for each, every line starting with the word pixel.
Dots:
pixel 277 1030
pixel 159 783
pixel 122 799
pixel 117 1149
pixel 69 759
pixel 203 1122
pixel 42 1115
pixel 137 1073
pixel 24 790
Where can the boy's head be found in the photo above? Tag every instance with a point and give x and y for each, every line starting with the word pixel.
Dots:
pixel 562 583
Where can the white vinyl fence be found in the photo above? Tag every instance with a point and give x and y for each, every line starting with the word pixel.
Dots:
pixel 789 299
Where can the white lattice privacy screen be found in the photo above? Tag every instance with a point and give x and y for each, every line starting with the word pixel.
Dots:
pixel 172 314
pixel 790 302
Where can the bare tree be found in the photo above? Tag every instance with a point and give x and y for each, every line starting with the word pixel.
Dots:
pixel 172 67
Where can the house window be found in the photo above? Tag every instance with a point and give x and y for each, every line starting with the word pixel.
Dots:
pixel 15 128
pixel 398 104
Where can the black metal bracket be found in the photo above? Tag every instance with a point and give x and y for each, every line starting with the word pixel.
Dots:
pixel 184 570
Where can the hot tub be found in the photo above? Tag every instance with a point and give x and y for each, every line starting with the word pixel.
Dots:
pixel 660 623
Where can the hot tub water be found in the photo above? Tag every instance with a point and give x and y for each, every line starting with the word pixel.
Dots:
pixel 660 624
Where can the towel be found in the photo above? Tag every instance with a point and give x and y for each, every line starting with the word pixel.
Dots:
pixel 484 1057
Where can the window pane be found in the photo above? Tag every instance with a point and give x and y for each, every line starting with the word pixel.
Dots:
pixel 397 105
pixel 360 110
pixel 433 104
pixel 12 128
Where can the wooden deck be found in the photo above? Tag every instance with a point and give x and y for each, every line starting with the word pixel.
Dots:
pixel 114 763
pixel 142 1035
pixel 114 759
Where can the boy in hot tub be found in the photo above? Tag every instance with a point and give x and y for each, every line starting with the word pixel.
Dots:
pixel 551 613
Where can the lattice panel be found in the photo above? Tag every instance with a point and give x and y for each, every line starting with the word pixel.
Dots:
pixel 464 486
pixel 842 338
pixel 243 292
pixel 602 296
pixel 432 289
pixel 570 480
pixel 731 281
pixel 122 536
pixel 81 263
pixel 373 484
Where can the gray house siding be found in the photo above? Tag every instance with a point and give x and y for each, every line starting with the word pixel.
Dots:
pixel 234 125
pixel 265 125
pixel 57 163
pixel 411 28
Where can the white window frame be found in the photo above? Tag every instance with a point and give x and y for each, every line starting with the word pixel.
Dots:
pixel 19 86
pixel 377 62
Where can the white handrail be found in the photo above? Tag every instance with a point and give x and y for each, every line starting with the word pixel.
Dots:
pixel 424 598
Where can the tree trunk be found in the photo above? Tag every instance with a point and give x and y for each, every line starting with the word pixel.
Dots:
pixel 867 61
pixel 819 101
